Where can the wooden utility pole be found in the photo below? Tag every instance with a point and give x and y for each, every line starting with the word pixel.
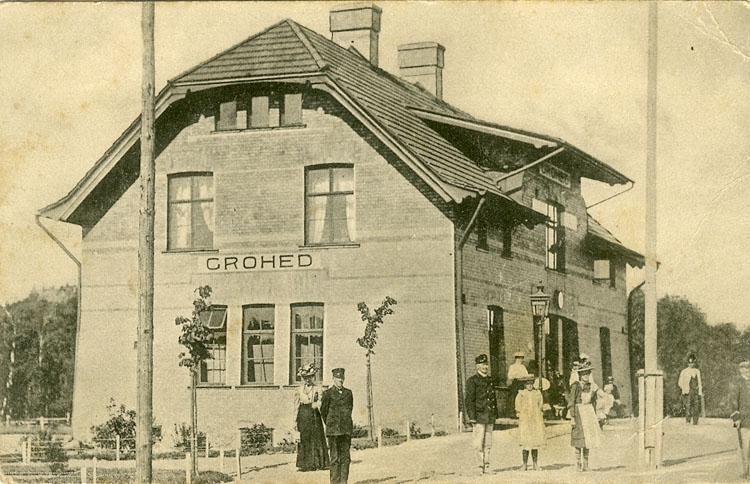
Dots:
pixel 144 410
pixel 651 413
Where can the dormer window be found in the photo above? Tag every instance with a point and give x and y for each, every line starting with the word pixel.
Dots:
pixel 260 111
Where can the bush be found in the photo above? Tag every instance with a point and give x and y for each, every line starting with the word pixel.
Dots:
pixel 359 431
pixel 211 477
pixel 255 439
pixel 182 434
pixel 389 432
pixel 414 431
pixel 121 423
pixel 52 451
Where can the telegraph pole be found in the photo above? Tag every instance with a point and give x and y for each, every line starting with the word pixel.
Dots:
pixel 651 386
pixel 144 409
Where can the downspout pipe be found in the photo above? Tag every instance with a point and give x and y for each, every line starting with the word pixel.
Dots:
pixel 78 303
pixel 459 301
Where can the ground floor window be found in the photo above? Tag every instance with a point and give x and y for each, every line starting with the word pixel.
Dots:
pixel 307 338
pixel 214 369
pixel 258 343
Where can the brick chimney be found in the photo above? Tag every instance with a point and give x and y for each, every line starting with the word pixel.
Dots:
pixel 423 63
pixel 357 25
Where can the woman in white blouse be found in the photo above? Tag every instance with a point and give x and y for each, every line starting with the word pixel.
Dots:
pixel 312 453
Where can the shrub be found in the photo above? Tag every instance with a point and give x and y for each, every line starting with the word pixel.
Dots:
pixel 359 431
pixel 121 423
pixel 414 431
pixel 389 432
pixel 211 477
pixel 255 439
pixel 181 437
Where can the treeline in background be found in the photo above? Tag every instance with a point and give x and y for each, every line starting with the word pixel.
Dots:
pixel 683 329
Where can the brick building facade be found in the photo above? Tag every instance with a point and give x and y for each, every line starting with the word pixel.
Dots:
pixel 297 178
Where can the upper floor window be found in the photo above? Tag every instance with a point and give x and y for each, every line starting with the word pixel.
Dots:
pixel 264 111
pixel 190 211
pixel 555 238
pixel 258 343
pixel 214 369
pixel 329 204
pixel 482 235
pixel 604 271
pixel 307 338
pixel 507 235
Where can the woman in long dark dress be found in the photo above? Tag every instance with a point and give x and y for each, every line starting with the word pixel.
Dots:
pixel 312 453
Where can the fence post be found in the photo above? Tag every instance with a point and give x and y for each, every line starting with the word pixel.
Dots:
pixel 42 421
pixel 239 464
pixel 93 463
pixel 28 452
pixel 380 437
pixel 408 431
pixel 207 447
pixel 83 475
pixel 432 425
pixel 67 418
pixel 460 419
pixel 221 460
pixel 117 448
pixel 23 453
pixel 188 469
pixel 7 420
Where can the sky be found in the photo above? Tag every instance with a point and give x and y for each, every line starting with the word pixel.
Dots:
pixel 70 76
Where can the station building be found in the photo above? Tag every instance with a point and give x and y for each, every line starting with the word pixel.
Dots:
pixel 297 179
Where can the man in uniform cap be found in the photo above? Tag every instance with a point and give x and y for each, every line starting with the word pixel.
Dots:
pixel 336 410
pixel 692 390
pixel 741 414
pixel 481 410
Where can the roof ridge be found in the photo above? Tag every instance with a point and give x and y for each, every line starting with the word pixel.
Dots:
pixel 302 36
pixel 227 50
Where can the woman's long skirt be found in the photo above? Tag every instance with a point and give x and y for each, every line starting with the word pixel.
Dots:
pixel 585 434
pixel 312 453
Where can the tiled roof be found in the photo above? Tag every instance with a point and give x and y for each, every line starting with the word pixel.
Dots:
pixel 277 50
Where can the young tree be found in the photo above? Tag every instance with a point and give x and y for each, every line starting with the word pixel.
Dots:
pixel 373 320
pixel 195 337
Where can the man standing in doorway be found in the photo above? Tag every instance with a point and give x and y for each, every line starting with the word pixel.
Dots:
pixel 336 410
pixel 481 410
pixel 692 390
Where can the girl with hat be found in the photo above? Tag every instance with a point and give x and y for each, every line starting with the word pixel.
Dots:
pixel 530 421
pixel 312 453
pixel 584 434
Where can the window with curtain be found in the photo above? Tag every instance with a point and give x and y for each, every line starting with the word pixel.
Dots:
pixel 329 205
pixel 307 338
pixel 214 370
pixel 190 211
pixel 258 343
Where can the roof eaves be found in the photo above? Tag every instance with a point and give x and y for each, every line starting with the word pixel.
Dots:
pixel 63 208
pixel 394 144
pixel 490 128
